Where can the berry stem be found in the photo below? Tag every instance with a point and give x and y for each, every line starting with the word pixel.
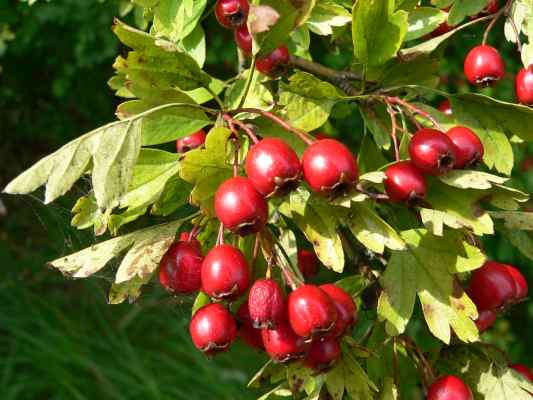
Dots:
pixel 494 20
pixel 373 195
pixel 220 235
pixel 427 370
pixel 236 158
pixel 395 362
pixel 414 109
pixel 392 115
pixel 232 122
pixel 515 29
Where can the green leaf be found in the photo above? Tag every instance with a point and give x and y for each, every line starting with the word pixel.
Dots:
pixel 258 96
pixel 305 8
pixel 424 20
pixel 266 128
pixel 357 383
pixel 498 384
pixel 522 241
pixel 194 45
pixel 202 299
pixel 176 19
pixel 465 8
pixel 423 70
pixel 515 220
pixel 175 194
pixel 389 391
pixel 378 123
pixel 471 179
pixel 86 214
pixel 326 15
pixel 335 382
pixel 130 290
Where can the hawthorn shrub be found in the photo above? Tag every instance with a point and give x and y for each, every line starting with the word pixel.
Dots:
pixel 254 205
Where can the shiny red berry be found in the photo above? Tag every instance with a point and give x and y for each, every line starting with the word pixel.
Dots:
pixel 225 272
pixel 520 282
pixel 449 387
pixel 273 167
pixel 307 263
pixel 492 7
pixel 190 142
pixel 445 107
pixel 212 329
pixel 484 66
pixel 330 169
pixel 432 151
pixel 184 237
pixel 468 148
pixel 266 303
pixel 275 64
pixel 243 39
pixel 250 335
pixel 523 86
pixel 240 207
pixel 180 268
pixel 485 320
pixel 232 13
pixel 282 344
pixel 405 183
pixel 523 370
pixel 492 286
pixel 311 311
pixel 345 306
pixel 323 354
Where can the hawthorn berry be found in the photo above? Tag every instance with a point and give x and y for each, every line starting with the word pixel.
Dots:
pixel 212 329
pixel 483 66
pixel 520 282
pixel 250 335
pixel 323 354
pixel 445 107
pixel 232 13
pixel 190 142
pixel 275 64
pixel 266 304
pixel 492 286
pixel 307 263
pixel 282 344
pixel 311 311
pixel 432 151
pixel 185 237
pixel 345 306
pixel 523 370
pixel 273 167
pixel 240 207
pixel 243 39
pixel 225 273
pixel 330 169
pixel 523 85
pixel 468 148
pixel 449 387
pixel 485 320
pixel 405 182
pixel 492 7
pixel 180 268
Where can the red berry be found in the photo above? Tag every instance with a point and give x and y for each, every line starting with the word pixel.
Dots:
pixel 273 167
pixel 232 13
pixel 250 335
pixel 432 151
pixel 492 7
pixel 445 107
pixel 240 207
pixel 405 182
pixel 330 169
pixel 485 320
pixel 519 280
pixel 266 303
pixel 225 273
pixel 282 344
pixel 346 309
pixel 492 286
pixel 323 354
pixel 275 64
pixel 449 387
pixel 523 85
pixel 180 268
pixel 468 148
pixel 184 237
pixel 190 142
pixel 311 312
pixel 212 329
pixel 320 136
pixel 243 39
pixel 523 370
pixel 484 66
pixel 307 263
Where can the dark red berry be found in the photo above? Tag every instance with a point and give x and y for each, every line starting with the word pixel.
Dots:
pixel 485 320
pixel 330 169
pixel 442 29
pixel 273 167
pixel 212 329
pixel 180 268
pixel 449 387
pixel 232 13
pixel 321 136
pixel 250 335
pixel 345 306
pixel 323 354
pixel 492 7
pixel 275 64
pixel 190 142
pixel 523 85
pixel 468 148
pixel 225 273
pixel 184 237
pixel 405 183
pixel 492 286
pixel 266 303
pixel 243 40
pixel 445 107
pixel 523 370
pixel 520 282
pixel 432 151
pixel 240 207
pixel 484 66
pixel 312 313
pixel 307 263
pixel 282 344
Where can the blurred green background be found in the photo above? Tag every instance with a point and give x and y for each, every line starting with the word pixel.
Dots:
pixel 58 338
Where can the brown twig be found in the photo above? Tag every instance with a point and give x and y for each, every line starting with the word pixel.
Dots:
pixel 220 236
pixel 408 342
pixel 494 20
pixel 392 115
pixel 414 109
pixel 375 196
pixel 232 122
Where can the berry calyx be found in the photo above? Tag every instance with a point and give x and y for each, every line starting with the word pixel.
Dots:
pixel 273 167
pixel 523 85
pixel 445 107
pixel 180 268
pixel 312 313
pixel 492 286
pixel 275 64
pixel 432 151
pixel 323 354
pixel 232 13
pixel 405 183
pixel 266 304
pixel 212 329
pixel 483 66
pixel 345 306
pixel 449 387
pixel 190 142
pixel 250 335
pixel 330 169
pixel 307 263
pixel 240 207
pixel 225 273
pixel 243 39
pixel 519 281
pixel 468 148
pixel 282 344
pixel 523 370
pixel 485 320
